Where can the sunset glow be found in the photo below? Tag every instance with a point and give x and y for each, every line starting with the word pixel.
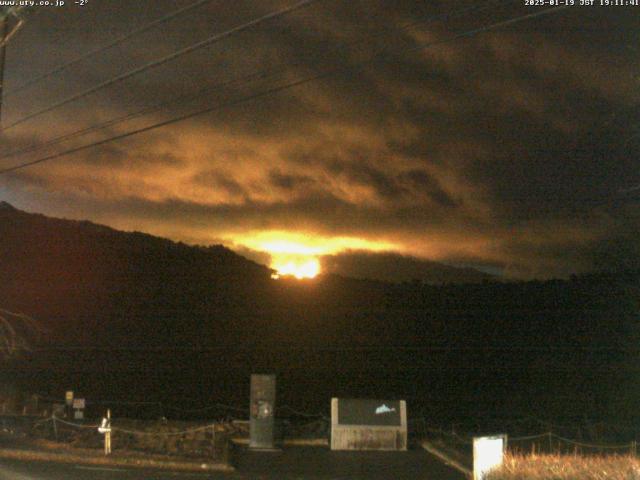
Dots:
pixel 303 267
pixel 297 254
pixel 290 243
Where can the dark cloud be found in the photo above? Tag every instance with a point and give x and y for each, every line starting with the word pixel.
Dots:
pixel 424 183
pixel 361 172
pixel 289 182
pixel 393 267
pixel 215 180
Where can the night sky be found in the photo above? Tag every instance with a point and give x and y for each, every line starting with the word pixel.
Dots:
pixel 513 150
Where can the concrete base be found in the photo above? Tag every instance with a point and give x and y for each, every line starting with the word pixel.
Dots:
pixel 266 450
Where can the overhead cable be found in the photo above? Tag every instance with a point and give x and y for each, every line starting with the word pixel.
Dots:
pixel 271 91
pixel 155 63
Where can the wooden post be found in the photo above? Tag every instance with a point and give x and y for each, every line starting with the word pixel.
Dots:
pixel 55 427
pixel 213 439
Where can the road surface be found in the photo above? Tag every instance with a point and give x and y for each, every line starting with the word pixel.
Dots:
pixel 291 464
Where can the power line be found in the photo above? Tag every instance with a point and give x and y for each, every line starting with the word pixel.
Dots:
pixel 102 48
pixel 130 116
pixel 202 92
pixel 315 349
pixel 273 90
pixel 208 41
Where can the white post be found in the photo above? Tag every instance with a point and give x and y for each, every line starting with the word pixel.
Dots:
pixel 107 435
pixel 105 428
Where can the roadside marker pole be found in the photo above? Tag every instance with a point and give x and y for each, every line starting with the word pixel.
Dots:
pixel 107 437
pixel 213 437
pixel 105 428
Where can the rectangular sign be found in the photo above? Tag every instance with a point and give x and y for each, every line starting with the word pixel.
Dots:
pixel 369 412
pixel 68 397
pixel 368 424
pixel 78 403
pixel 488 453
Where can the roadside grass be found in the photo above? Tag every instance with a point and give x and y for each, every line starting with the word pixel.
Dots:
pixel 567 467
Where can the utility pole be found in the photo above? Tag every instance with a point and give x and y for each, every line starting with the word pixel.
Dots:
pixel 4 33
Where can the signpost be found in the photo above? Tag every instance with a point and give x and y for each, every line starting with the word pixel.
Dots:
pixel 78 408
pixel 368 424
pixel 68 401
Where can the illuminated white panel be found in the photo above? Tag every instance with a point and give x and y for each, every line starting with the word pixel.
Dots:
pixel 487 454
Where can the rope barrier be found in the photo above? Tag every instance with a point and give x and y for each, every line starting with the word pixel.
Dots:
pixel 421 420
pixel 183 432
pixel 530 437
pixel 589 445
pixel 219 406
pixel 42 422
pixel 303 414
pixel 459 439
pixel 455 437
pixel 77 425
pixel 135 432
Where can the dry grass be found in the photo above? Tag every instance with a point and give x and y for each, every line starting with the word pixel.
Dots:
pixel 567 467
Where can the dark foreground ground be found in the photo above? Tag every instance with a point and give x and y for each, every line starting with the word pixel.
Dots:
pixel 290 464
pixel 322 463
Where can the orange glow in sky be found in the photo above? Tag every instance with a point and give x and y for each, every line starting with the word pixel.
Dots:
pixel 298 254
pixel 302 267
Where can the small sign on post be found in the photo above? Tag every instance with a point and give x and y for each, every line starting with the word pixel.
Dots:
pixel 488 453
pixel 78 408
pixel 68 401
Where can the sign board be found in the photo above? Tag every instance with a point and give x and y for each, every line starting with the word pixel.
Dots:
pixel 488 453
pixel 78 414
pixel 78 403
pixel 368 424
pixel 68 397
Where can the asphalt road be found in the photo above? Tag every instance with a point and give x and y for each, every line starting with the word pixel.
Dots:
pixel 19 470
pixel 291 464
pixel 321 463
